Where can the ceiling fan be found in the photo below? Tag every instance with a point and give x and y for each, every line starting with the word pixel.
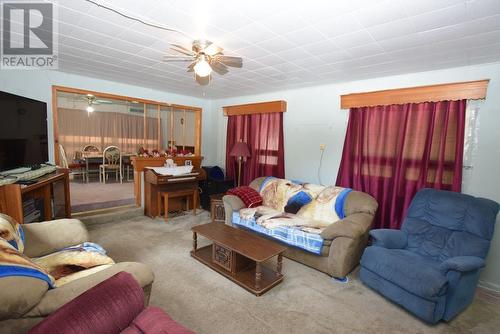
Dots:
pixel 92 100
pixel 205 57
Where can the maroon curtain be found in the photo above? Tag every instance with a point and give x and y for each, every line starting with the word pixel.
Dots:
pixel 390 152
pixel 264 135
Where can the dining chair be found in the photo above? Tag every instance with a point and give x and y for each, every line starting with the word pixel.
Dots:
pixel 90 148
pixel 75 168
pixel 111 161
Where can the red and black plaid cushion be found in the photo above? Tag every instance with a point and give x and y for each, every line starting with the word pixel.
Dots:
pixel 248 195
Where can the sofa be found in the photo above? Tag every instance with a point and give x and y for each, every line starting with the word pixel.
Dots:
pixel 26 301
pixel 343 242
pixel 431 266
pixel 113 306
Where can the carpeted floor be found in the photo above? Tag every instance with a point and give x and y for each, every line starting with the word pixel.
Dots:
pixel 306 302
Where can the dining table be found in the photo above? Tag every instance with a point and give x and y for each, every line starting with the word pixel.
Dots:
pixel 95 157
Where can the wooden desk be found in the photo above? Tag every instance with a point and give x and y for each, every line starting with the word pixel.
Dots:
pixel 54 185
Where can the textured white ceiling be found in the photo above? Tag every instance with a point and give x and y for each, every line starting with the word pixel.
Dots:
pixel 284 43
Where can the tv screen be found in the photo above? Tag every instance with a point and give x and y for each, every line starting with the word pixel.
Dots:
pixel 23 132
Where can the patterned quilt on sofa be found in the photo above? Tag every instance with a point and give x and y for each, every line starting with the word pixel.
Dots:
pixel 292 236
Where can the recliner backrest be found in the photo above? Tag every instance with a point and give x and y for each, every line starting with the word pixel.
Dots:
pixel 443 224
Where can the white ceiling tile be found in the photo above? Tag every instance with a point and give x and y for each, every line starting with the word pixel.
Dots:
pixel 284 44
pixel 353 39
pixel 482 8
pixel 304 36
pixel 318 48
pixel 284 22
pixel 441 18
pixel 254 33
pixel 276 44
pixel 338 25
pixel 365 50
pixel 423 6
pixel 392 29
pixel 379 13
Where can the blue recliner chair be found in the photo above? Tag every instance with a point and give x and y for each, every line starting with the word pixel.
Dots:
pixel 431 266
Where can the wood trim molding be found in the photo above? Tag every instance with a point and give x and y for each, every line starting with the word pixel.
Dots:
pixel 255 108
pixel 121 97
pixel 470 90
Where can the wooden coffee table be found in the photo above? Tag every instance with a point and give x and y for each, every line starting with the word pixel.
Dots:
pixel 238 255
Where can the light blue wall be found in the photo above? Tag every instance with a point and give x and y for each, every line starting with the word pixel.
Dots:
pixel 314 117
pixel 38 85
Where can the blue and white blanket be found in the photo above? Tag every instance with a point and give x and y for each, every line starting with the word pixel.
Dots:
pixel 292 236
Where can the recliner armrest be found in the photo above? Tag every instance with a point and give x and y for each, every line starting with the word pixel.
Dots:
pixel 462 263
pixel 231 203
pixel 387 238
pixel 47 237
pixel 353 226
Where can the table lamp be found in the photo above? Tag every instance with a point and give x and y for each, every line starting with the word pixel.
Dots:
pixel 240 150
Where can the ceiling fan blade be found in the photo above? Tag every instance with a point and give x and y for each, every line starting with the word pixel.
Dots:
pixel 181 49
pixel 212 50
pixel 219 68
pixel 183 52
pixel 104 101
pixel 203 80
pixel 191 66
pixel 177 58
pixel 230 61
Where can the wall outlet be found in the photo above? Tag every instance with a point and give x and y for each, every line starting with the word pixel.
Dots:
pixel 322 147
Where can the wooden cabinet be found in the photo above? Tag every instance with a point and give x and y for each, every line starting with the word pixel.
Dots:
pixel 52 188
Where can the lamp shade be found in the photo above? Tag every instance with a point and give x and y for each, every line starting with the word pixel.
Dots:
pixel 240 149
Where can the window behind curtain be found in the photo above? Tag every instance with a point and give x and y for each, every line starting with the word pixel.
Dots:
pixel 391 152
pixel 264 135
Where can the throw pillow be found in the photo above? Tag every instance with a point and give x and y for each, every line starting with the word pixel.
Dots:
pixel 248 195
pixel 297 201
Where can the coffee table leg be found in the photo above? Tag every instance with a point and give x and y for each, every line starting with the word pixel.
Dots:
pixel 195 242
pixel 280 264
pixel 258 275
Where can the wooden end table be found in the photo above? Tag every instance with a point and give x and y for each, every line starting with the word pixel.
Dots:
pixel 217 213
pixel 238 255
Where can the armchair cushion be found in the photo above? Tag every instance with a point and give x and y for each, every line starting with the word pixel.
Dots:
pixel 47 237
pixel 387 238
pixel 414 273
pixel 462 263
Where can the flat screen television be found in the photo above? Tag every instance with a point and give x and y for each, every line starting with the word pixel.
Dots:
pixel 23 132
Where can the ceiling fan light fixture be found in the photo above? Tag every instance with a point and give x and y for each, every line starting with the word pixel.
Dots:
pixel 202 67
pixel 90 109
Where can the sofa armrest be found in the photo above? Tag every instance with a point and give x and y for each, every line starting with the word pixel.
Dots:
pixel 387 238
pixel 462 263
pixel 231 203
pixel 55 298
pixel 47 237
pixel 353 226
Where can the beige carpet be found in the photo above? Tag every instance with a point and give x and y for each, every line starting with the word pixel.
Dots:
pixel 306 302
